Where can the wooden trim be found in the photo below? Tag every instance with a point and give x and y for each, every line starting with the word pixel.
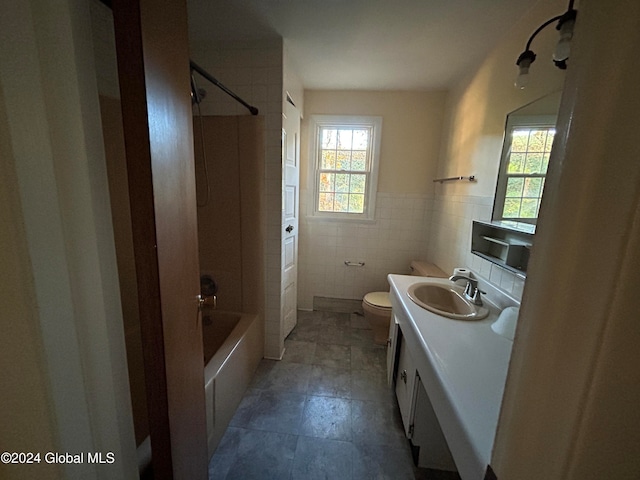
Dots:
pixel 131 73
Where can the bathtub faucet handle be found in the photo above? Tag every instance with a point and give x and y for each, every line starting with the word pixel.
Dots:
pixel 207 301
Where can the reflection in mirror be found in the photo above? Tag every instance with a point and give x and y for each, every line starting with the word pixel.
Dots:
pixel 528 139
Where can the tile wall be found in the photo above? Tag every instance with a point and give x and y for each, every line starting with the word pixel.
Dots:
pixel 254 71
pixel 399 234
pixel 450 240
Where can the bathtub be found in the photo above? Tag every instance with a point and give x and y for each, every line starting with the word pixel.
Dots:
pixel 233 347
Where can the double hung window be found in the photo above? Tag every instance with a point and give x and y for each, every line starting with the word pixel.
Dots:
pixel 345 158
pixel 523 171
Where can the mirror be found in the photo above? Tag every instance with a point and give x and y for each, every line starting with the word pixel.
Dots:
pixel 528 139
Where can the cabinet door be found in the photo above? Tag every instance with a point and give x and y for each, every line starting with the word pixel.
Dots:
pixel 405 386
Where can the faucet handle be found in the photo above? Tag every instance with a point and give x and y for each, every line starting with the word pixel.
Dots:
pixel 475 298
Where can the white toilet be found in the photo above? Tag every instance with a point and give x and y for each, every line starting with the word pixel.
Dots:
pixel 377 305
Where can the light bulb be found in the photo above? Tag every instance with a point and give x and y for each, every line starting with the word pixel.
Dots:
pixel 522 80
pixel 564 43
pixel 525 60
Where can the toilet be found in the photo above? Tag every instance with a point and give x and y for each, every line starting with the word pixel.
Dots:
pixel 377 305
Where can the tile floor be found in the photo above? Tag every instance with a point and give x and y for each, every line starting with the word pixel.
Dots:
pixel 323 412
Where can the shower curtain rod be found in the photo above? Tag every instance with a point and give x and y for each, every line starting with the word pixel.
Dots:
pixel 212 79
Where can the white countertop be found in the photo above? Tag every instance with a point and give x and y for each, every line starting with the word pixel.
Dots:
pixel 463 366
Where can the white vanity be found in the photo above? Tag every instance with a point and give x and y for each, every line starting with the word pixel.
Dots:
pixel 449 376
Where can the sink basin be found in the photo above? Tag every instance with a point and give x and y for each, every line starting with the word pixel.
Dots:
pixel 446 301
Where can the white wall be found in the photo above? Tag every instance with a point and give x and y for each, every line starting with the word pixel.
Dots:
pixel 411 131
pixel 475 119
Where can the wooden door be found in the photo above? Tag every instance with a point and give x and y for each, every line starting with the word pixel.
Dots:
pixel 153 68
pixel 291 198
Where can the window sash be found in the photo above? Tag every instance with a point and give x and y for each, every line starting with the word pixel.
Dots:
pixel 360 196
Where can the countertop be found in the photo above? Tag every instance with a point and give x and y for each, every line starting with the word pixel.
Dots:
pixel 463 366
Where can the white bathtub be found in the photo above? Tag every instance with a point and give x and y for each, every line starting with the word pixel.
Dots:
pixel 233 348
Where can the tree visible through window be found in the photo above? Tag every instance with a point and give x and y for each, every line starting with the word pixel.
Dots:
pixel 344 158
pixel 346 165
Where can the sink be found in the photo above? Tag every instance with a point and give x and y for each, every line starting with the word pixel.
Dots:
pixel 445 300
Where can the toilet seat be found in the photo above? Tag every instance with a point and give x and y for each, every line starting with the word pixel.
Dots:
pixel 378 300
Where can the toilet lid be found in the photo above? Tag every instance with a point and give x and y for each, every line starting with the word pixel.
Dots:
pixel 378 299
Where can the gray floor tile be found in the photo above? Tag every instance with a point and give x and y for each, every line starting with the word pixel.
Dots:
pixel 262 372
pixel 327 417
pixel 305 332
pixel 278 412
pixel 334 335
pixel 369 385
pixel 299 352
pixel 330 382
pixel 336 356
pixel 288 377
pixel 325 411
pixel 358 321
pixel 322 459
pixel 246 408
pixel 372 359
pixel 362 337
pixel 376 423
pixel 263 456
pixel 335 319
pixel 382 462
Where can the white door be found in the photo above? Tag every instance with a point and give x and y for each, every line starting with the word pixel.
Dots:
pixel 290 202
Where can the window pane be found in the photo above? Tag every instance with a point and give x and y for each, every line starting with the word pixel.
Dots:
pixel 342 182
pixel 359 160
pixel 360 139
pixel 545 163
pixel 327 182
pixel 343 161
pixel 532 187
pixel 516 163
pixel 514 187
pixel 537 140
pixel 511 208
pixel 358 183
pixel 344 139
pixel 533 163
pixel 550 136
pixel 329 138
pixel 325 202
pixel 519 139
pixel 341 202
pixel 328 160
pixel 356 203
pixel 529 208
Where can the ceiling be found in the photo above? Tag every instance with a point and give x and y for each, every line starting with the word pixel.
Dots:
pixel 366 44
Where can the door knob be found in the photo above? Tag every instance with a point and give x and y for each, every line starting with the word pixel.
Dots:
pixel 289 229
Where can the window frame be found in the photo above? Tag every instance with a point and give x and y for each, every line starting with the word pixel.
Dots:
pixel 515 122
pixel 316 124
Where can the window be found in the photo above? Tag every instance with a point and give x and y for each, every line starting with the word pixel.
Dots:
pixel 523 169
pixel 345 154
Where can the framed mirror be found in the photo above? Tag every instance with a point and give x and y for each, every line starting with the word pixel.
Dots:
pixel 528 140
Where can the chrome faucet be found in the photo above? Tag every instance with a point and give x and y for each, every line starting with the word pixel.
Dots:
pixel 471 291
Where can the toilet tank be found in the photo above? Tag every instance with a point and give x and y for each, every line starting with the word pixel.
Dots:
pixel 426 269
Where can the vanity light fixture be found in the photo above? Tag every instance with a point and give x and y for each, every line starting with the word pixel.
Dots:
pixel 565 25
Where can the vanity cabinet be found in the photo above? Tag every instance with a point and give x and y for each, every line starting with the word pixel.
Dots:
pixel 405 388
pixel 419 419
